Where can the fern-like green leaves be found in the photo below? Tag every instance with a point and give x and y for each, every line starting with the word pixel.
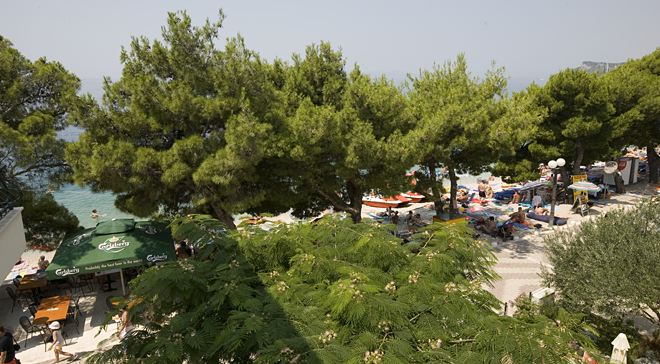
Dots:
pixel 329 292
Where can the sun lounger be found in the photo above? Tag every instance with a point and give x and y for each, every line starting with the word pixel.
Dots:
pixel 545 218
pixel 504 195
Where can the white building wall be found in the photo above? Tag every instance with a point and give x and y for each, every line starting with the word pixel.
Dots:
pixel 12 241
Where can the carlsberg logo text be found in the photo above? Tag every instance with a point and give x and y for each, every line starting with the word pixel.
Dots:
pixel 156 258
pixel 66 271
pixel 114 245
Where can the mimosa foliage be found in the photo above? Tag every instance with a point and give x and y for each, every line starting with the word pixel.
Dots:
pixel 330 292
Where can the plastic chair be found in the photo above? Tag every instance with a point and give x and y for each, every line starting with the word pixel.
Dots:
pixel 30 328
pixel 33 310
pixel 14 297
pixel 72 316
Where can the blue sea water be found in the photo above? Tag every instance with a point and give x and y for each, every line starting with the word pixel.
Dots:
pixel 81 201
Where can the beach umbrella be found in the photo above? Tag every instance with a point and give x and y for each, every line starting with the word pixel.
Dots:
pixel 112 245
pixel 584 186
pixel 620 347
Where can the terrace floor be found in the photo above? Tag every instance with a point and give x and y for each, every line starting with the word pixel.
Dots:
pixel 90 337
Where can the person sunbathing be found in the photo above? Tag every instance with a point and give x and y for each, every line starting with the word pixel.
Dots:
pixel 462 196
pixel 519 216
pixel 489 226
pixel 540 210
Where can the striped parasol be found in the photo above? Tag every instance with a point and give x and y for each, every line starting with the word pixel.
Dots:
pixel 584 186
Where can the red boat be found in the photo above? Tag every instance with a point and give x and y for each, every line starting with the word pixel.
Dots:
pixel 413 196
pixel 403 198
pixel 382 202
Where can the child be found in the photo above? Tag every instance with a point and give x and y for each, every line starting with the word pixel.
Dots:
pixel 58 341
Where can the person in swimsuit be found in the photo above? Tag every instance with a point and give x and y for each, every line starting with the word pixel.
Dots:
pixel 125 324
pixel 481 187
pixel 540 210
pixel 516 198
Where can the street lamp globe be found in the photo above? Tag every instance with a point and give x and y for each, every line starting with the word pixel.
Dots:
pixel 552 164
pixel 561 162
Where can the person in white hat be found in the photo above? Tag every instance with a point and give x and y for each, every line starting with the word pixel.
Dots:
pixel 58 341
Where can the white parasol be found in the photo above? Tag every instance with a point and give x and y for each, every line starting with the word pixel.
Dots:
pixel 620 347
pixel 584 186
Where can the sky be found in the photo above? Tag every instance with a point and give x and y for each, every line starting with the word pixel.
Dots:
pixel 530 38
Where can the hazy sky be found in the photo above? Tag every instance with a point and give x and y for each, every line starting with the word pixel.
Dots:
pixel 531 38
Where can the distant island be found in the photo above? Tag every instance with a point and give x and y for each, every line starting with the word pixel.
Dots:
pixel 598 67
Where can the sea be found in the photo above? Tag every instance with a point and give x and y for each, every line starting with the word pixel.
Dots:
pixel 82 200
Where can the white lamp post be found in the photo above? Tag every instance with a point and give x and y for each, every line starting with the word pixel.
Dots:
pixel 555 166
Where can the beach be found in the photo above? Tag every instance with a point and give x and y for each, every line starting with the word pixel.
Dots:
pixel 520 261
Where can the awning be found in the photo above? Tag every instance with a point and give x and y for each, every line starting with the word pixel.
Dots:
pixel 116 244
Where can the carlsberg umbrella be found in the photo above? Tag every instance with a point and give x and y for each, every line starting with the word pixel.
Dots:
pixel 115 244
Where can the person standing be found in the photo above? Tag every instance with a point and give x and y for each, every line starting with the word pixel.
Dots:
pixel 125 324
pixel 481 187
pixel 7 353
pixel 409 219
pixel 395 218
pixel 58 342
pixel 182 251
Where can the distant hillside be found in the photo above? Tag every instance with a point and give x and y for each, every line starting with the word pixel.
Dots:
pixel 598 67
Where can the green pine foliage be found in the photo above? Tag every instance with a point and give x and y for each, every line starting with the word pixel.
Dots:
pixel 634 89
pixel 46 221
pixel 454 112
pixel 186 127
pixel 341 134
pixel 37 100
pixel 329 292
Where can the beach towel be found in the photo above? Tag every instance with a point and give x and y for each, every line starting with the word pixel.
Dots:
pixel 376 217
pixel 545 218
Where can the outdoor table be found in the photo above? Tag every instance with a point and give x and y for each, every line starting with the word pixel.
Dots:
pixel 32 281
pixel 22 269
pixel 52 309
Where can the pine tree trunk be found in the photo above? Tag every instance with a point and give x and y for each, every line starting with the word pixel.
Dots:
pixel 355 194
pixel 453 207
pixel 437 196
pixel 566 181
pixel 224 216
pixel 653 163
pixel 579 155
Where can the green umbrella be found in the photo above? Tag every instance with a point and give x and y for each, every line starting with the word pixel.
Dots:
pixel 116 244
